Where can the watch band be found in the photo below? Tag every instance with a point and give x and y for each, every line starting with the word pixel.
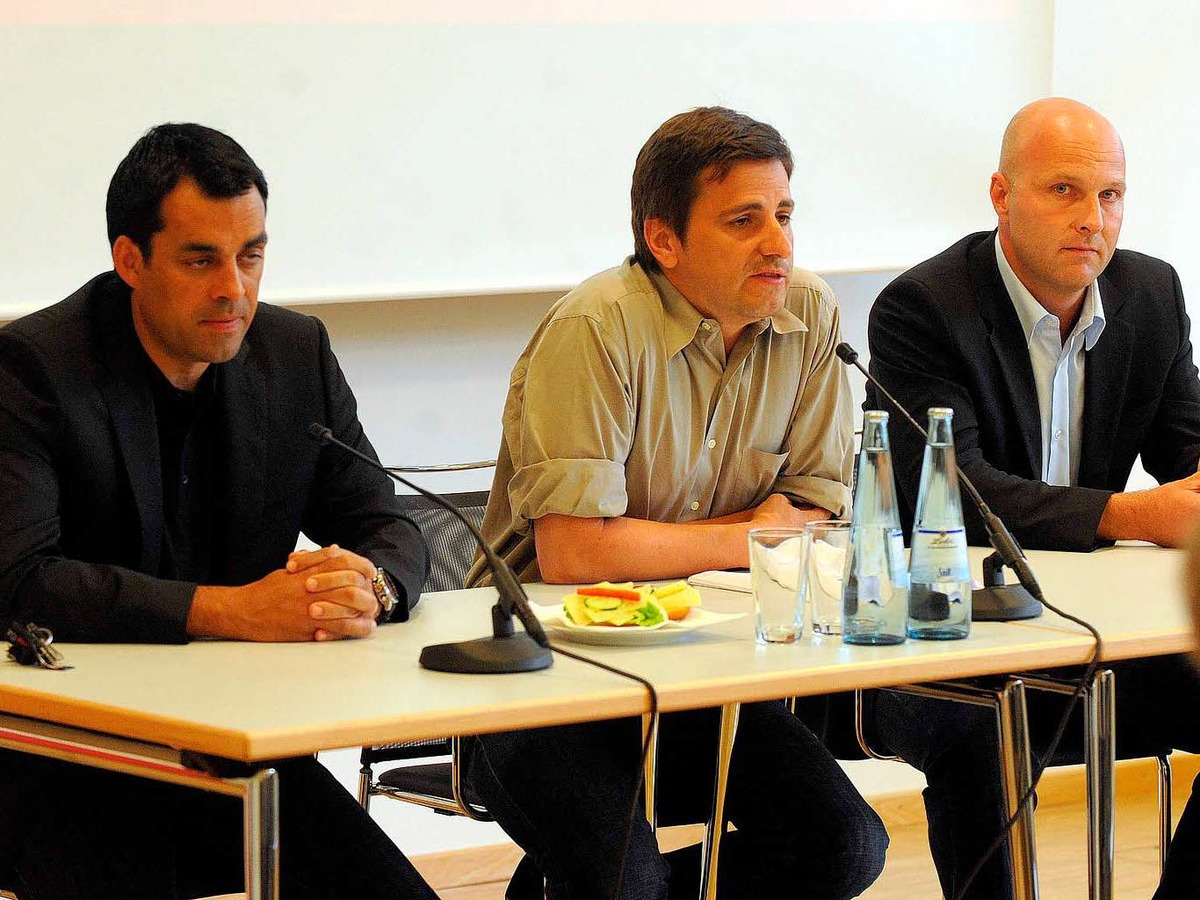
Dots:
pixel 385 593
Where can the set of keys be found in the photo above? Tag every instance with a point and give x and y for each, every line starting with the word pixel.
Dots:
pixel 30 645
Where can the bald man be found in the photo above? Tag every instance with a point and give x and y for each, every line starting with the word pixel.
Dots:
pixel 1064 359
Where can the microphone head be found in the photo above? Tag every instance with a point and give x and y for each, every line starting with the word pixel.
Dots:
pixel 846 353
pixel 320 432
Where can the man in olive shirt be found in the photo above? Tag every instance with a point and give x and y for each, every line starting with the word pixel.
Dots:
pixel 629 412
pixel 660 411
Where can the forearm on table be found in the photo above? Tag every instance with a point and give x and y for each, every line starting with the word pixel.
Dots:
pixel 1164 515
pixel 575 550
pixel 87 602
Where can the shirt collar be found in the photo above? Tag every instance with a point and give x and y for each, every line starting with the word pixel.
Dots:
pixel 683 320
pixel 1031 313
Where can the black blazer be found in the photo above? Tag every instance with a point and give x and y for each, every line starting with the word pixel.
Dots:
pixel 80 476
pixel 946 333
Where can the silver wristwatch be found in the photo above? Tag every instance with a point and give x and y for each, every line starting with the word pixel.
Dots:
pixel 385 593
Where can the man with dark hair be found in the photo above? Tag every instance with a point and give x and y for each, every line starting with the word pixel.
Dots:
pixel 1064 359
pixel 661 410
pixel 156 476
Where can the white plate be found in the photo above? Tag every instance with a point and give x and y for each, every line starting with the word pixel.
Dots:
pixel 552 618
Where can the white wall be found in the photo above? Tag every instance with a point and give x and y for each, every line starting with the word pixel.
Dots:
pixel 410 155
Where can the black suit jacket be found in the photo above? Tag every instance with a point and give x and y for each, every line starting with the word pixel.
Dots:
pixel 946 333
pixel 81 529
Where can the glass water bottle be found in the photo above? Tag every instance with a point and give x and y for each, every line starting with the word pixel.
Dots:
pixel 875 582
pixel 940 604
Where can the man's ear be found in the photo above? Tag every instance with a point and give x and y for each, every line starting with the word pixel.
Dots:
pixel 999 191
pixel 128 260
pixel 664 243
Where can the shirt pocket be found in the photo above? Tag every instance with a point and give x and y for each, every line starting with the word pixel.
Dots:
pixel 759 472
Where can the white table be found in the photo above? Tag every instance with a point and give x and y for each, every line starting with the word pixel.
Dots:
pixel 149 708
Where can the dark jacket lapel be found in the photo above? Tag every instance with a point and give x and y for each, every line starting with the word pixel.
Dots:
pixel 122 383
pixel 1004 334
pixel 1104 383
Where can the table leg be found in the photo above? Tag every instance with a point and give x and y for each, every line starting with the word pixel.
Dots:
pixel 650 727
pixel 260 804
pixel 1100 756
pixel 1164 811
pixel 716 822
pixel 1008 705
pixel 1016 772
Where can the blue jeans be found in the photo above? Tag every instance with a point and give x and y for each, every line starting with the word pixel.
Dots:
pixel 563 794
pixel 956 747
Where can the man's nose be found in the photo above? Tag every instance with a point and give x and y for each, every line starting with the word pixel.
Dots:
pixel 228 282
pixel 777 239
pixel 1091 216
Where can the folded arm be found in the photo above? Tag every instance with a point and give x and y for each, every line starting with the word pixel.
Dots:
pixel 575 550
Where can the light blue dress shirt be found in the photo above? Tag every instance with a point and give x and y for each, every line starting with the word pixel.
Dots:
pixel 1058 371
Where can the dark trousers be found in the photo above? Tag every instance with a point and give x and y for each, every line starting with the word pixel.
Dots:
pixel 955 746
pixel 563 794
pixel 86 834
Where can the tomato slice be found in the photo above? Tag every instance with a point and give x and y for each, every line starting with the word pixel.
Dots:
pixel 618 593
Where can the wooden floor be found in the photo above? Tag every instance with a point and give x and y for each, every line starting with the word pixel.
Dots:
pixel 1061 831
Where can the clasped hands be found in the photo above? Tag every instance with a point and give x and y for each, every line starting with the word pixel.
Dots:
pixel 320 595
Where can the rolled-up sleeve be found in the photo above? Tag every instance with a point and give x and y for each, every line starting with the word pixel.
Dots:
pixel 574 427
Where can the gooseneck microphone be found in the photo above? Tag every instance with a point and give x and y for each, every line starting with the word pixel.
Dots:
pixel 506 650
pixel 996 602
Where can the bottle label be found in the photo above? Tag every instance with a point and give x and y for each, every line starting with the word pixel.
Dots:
pixel 939 555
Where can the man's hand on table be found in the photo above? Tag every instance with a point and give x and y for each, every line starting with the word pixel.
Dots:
pixel 321 595
pixel 1165 515
pixel 778 511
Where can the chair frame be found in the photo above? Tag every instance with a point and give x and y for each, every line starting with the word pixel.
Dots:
pixel 456 804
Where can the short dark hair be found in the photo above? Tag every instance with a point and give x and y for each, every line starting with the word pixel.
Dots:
pixel 666 177
pixel 162 157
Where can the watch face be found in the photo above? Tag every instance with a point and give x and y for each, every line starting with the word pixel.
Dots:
pixel 384 592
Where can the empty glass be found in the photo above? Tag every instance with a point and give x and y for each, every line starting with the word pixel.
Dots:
pixel 828 541
pixel 777 564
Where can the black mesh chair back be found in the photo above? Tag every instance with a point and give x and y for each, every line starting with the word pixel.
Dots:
pixel 451 546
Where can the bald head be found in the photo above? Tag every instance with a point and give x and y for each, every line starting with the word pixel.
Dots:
pixel 1056 121
pixel 1059 199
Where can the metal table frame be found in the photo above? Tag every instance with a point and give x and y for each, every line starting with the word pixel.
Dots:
pixel 259 791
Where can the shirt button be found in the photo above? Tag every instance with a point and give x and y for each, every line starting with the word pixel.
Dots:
pixel 711 443
pixel 706 326
pixel 185 479
pixel 1058 434
pixel 695 505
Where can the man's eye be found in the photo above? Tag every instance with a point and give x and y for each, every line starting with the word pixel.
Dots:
pixel 1061 189
pixel 785 218
pixel 197 263
pixel 1110 195
pixel 740 222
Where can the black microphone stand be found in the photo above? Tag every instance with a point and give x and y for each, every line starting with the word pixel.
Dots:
pixel 995 601
pixel 506 650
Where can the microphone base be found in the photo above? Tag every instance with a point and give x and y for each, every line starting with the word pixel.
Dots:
pixel 487 656
pixel 1003 603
